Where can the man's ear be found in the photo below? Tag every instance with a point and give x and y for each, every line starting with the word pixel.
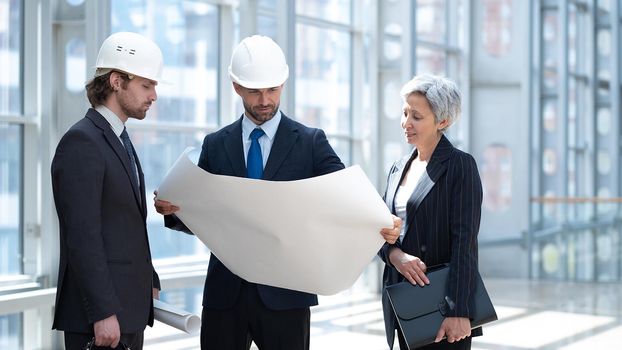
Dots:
pixel 115 80
pixel 238 88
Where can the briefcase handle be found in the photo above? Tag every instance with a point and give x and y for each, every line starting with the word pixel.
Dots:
pixel 91 345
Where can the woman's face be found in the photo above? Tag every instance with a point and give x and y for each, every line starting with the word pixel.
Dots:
pixel 419 123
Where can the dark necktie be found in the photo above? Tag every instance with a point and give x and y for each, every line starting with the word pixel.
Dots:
pixel 254 161
pixel 129 149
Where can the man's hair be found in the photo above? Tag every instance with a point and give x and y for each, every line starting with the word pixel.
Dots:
pixel 99 88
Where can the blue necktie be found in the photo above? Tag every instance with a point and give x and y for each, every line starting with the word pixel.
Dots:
pixel 254 161
pixel 129 149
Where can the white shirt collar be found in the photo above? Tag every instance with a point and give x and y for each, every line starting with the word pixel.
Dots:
pixel 268 127
pixel 115 123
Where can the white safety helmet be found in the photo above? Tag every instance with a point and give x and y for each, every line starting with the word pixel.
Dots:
pixel 258 63
pixel 131 53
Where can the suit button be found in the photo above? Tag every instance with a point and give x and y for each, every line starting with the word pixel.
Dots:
pixel 423 248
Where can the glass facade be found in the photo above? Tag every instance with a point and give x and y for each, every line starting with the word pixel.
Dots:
pixel 11 138
pixel 187 33
pixel 577 189
pixel 187 107
pixel 10 329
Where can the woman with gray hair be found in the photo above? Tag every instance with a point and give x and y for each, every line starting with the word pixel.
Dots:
pixel 436 190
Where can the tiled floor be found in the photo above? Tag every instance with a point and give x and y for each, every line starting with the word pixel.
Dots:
pixel 532 315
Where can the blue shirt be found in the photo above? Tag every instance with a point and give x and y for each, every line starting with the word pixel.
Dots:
pixel 265 141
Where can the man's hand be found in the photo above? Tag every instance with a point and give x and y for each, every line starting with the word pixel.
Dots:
pixel 107 332
pixel 392 234
pixel 454 328
pixel 164 207
pixel 156 293
pixel 411 267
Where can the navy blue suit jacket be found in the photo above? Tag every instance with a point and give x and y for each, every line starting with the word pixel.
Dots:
pixel 442 223
pixel 298 152
pixel 105 263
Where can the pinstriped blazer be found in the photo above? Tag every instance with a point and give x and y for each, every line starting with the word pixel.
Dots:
pixel 442 223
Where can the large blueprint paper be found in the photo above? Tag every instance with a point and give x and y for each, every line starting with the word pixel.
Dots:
pixel 314 235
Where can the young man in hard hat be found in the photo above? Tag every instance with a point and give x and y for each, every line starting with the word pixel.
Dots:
pixel 263 144
pixel 106 280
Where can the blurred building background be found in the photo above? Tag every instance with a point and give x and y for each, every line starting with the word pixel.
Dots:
pixel 541 86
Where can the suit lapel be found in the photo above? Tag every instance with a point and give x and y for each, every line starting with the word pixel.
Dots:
pixel 118 149
pixel 396 176
pixel 433 171
pixel 284 139
pixel 234 149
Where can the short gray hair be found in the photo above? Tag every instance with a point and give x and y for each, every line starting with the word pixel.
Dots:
pixel 442 95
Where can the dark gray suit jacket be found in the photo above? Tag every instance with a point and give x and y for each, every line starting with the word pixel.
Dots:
pixel 298 152
pixel 442 223
pixel 105 264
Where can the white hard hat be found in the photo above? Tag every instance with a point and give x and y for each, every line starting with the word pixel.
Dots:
pixel 131 53
pixel 258 63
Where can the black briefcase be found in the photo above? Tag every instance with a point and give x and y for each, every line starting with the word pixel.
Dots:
pixel 420 310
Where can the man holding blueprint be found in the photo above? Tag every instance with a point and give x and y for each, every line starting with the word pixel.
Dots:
pixel 263 144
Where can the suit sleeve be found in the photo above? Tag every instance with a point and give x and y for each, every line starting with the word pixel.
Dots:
pixel 156 280
pixel 464 219
pixel 174 223
pixel 78 175
pixel 325 160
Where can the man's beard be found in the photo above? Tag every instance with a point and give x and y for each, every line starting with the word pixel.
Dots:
pixel 263 117
pixel 134 113
pixel 130 112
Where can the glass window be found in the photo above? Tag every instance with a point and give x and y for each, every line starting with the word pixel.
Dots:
pixel 267 4
pixel 323 78
pixel 497 177
pixel 342 148
pixel 10 57
pixel 431 61
pixel 392 41
pixel 550 35
pixel 572 37
pixel 549 115
pixel 158 151
pixel 329 10
pixel 432 20
pixel 10 198
pixel 549 161
pixel 10 142
pixel 75 65
pixel 10 329
pixel 267 26
pixel 603 162
pixel 604 208
pixel 187 34
pixel 603 121
pixel 497 26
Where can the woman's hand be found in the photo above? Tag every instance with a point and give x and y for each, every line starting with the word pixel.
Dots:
pixel 411 267
pixel 392 234
pixel 163 207
pixel 454 329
